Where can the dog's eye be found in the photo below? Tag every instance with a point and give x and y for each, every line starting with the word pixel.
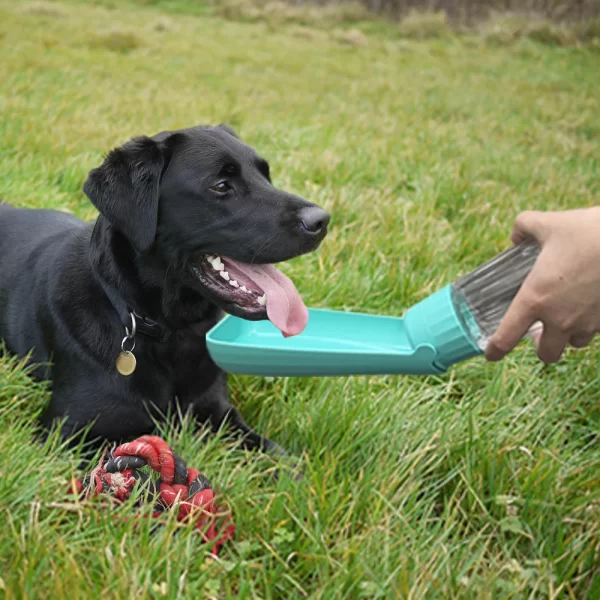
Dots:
pixel 221 188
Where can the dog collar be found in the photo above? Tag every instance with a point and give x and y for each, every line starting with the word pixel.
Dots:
pixel 134 322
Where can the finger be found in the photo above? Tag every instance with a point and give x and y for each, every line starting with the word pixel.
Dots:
pixel 513 327
pixel 581 340
pixel 552 344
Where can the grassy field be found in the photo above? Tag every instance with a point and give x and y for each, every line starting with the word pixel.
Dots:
pixel 482 483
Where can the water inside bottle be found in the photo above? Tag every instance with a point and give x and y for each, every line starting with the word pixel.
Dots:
pixel 483 296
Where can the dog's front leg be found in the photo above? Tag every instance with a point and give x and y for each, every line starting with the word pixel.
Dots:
pixel 213 406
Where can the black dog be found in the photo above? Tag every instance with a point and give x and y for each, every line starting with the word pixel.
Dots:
pixel 189 222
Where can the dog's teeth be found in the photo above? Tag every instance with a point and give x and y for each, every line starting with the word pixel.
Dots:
pixel 234 283
pixel 262 300
pixel 224 275
pixel 243 288
pixel 216 263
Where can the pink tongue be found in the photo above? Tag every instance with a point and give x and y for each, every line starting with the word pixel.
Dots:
pixel 285 307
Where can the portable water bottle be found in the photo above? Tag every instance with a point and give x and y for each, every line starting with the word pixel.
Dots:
pixel 459 319
pixel 450 326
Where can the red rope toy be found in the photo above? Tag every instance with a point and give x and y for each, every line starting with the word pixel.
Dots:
pixel 188 487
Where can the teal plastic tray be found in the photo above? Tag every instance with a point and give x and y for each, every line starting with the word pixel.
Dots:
pixel 429 339
pixel 333 343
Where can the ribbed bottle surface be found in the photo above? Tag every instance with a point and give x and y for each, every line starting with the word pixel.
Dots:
pixel 482 297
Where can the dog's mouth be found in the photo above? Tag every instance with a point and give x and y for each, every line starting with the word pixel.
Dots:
pixel 253 292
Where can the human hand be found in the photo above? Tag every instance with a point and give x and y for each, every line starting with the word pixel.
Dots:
pixel 562 291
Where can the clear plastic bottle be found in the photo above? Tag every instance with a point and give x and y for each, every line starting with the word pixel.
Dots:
pixel 482 297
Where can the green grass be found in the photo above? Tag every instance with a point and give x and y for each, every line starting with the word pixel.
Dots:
pixel 482 483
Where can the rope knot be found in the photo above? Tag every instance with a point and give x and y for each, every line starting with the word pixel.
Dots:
pixel 178 486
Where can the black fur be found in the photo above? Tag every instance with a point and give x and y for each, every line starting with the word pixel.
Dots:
pixel 158 214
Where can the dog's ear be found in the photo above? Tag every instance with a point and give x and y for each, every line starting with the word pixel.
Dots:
pixel 228 130
pixel 125 189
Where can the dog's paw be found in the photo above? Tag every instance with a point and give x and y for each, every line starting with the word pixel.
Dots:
pixel 288 466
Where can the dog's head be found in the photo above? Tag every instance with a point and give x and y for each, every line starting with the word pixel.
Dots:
pixel 202 202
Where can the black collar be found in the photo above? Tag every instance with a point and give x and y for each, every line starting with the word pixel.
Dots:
pixel 143 324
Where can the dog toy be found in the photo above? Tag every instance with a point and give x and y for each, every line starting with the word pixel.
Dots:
pixel 179 487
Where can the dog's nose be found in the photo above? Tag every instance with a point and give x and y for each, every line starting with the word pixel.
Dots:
pixel 314 219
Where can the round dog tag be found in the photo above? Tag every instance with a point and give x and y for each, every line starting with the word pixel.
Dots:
pixel 126 363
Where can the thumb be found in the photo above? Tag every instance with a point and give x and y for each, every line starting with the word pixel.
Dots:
pixel 513 327
pixel 530 224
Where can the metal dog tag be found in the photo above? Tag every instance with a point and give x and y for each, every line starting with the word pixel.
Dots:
pixel 126 363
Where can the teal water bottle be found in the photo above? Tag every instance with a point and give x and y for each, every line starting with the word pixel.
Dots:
pixel 450 326
pixel 459 319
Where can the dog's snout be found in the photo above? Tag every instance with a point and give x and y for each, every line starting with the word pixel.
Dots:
pixel 314 219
